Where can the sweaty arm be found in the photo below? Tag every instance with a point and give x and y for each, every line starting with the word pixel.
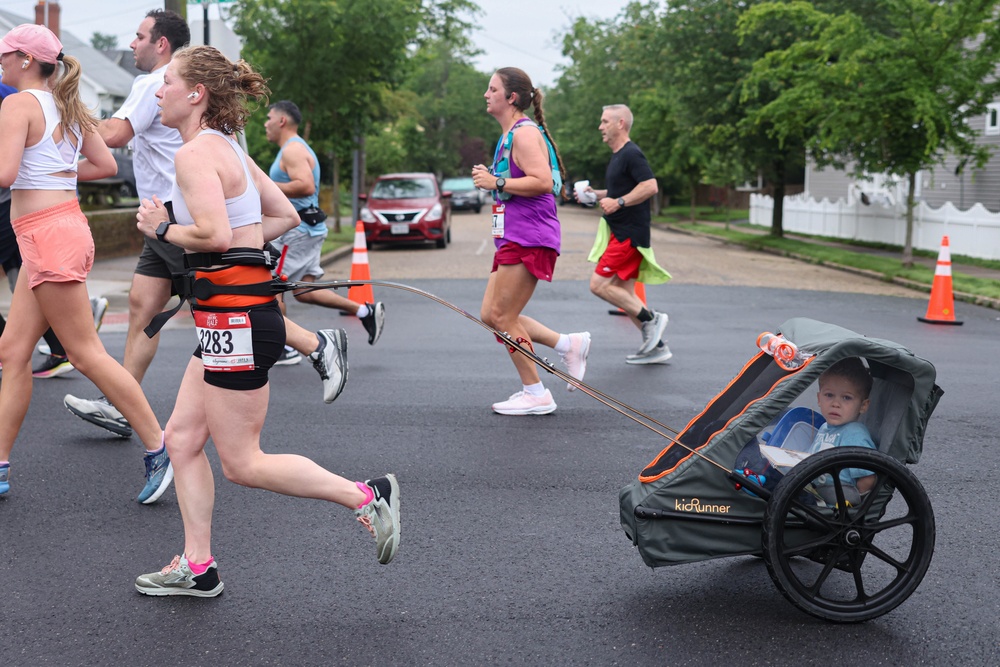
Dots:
pixel 116 132
pixel 297 163
pixel 199 167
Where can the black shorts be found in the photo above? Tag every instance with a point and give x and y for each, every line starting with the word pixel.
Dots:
pixel 268 326
pixel 160 260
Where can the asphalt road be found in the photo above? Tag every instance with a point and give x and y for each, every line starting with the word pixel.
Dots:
pixel 511 550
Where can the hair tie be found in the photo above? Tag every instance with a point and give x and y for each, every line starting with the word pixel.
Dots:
pixel 60 56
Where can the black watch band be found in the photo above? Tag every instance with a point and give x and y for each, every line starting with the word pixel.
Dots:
pixel 501 184
pixel 161 231
pixel 621 202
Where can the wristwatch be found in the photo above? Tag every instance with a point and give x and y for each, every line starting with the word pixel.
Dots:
pixel 161 231
pixel 621 202
pixel 501 182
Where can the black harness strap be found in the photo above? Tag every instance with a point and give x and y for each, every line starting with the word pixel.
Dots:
pixel 187 287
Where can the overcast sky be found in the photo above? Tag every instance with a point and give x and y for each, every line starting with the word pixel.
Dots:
pixel 518 33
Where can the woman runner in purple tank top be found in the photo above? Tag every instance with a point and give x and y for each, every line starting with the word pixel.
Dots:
pixel 526 230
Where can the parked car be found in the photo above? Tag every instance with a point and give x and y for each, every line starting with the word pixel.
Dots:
pixel 465 195
pixel 407 207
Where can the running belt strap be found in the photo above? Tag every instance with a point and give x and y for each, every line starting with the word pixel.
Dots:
pixel 234 257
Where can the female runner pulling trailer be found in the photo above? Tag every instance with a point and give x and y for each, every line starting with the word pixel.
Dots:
pixel 224 209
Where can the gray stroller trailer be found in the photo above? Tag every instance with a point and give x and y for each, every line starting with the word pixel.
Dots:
pixel 835 554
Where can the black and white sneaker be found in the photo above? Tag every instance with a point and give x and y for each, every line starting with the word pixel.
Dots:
pixel 652 332
pixel 374 321
pixel 658 355
pixel 331 362
pixel 100 412
pixel 178 579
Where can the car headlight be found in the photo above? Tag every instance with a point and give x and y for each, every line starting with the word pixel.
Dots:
pixel 435 211
pixel 366 215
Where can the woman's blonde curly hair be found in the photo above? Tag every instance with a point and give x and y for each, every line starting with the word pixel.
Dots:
pixel 235 90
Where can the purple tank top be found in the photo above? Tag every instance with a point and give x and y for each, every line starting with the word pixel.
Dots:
pixel 531 221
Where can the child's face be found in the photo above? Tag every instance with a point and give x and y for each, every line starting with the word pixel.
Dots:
pixel 840 401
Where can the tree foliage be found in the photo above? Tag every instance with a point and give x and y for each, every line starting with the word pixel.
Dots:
pixel 892 96
pixel 103 42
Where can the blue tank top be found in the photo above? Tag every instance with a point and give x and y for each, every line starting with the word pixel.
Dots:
pixel 278 175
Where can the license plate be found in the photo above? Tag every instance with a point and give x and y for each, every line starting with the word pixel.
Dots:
pixel 400 228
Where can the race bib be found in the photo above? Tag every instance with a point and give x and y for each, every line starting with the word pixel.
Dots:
pixel 226 340
pixel 498 221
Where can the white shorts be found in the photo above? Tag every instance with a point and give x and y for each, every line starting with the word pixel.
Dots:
pixel 302 257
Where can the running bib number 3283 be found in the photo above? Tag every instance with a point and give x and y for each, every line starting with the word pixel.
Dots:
pixel 226 340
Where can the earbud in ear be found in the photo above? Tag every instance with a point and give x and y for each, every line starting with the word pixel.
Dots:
pixel 193 96
pixel 25 64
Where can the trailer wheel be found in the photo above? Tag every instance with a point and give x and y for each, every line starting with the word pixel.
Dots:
pixel 841 558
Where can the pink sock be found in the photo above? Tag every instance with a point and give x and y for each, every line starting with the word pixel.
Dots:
pixel 200 568
pixel 369 494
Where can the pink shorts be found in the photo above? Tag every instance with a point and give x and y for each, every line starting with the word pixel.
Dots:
pixel 540 261
pixel 619 259
pixel 56 244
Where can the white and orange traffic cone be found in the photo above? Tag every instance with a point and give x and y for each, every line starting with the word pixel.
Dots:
pixel 941 308
pixel 640 291
pixel 359 268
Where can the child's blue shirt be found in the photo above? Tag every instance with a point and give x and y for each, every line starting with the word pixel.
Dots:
pixel 851 434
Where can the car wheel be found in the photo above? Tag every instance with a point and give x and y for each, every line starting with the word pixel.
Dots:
pixel 479 209
pixel 126 191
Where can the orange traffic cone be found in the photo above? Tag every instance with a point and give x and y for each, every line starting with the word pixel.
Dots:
pixel 640 291
pixel 941 309
pixel 359 268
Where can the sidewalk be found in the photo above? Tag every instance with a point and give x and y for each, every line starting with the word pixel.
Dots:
pixel 929 262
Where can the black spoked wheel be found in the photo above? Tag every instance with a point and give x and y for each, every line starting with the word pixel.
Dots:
pixel 840 556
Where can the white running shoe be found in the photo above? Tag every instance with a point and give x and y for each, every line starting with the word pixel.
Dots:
pixel 575 359
pixel 523 403
pixel 289 357
pixel 99 412
pixel 652 332
pixel 331 363
pixel 658 355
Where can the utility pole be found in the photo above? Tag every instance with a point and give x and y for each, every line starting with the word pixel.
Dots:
pixel 178 6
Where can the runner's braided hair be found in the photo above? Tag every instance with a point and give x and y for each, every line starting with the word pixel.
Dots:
pixel 517 82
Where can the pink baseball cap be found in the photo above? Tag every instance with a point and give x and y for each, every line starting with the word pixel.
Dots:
pixel 34 40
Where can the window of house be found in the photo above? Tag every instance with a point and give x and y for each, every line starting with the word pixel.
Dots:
pixel 993 118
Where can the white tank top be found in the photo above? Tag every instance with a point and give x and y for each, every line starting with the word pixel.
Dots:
pixel 47 157
pixel 243 209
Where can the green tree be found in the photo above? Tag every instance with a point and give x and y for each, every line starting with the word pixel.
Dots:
pixel 706 62
pixel 103 42
pixel 335 59
pixel 891 97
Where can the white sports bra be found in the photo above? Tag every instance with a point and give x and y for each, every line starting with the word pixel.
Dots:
pixel 243 209
pixel 47 157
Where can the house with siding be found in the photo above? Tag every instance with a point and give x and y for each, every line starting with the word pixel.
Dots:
pixel 103 84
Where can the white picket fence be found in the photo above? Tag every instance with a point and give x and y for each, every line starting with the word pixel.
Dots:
pixel 975 232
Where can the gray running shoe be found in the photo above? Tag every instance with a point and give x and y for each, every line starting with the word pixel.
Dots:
pixel 178 579
pixel 658 355
pixel 159 474
pixel 289 357
pixel 331 362
pixel 652 332
pixel 100 412
pixel 374 321
pixel 381 516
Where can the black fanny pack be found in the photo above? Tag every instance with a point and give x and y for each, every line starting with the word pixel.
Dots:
pixel 313 215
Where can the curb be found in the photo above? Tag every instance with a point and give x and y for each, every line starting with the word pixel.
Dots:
pixel 975 299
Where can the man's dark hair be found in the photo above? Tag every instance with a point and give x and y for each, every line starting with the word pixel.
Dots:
pixel 854 371
pixel 288 108
pixel 170 25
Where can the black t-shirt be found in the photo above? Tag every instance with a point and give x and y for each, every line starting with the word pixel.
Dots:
pixel 628 167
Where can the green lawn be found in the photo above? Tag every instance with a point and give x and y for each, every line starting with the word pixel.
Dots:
pixel 813 249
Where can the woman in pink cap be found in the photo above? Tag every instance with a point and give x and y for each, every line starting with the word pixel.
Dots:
pixel 43 128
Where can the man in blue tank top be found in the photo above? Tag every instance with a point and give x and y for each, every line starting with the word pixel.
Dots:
pixel 296 172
